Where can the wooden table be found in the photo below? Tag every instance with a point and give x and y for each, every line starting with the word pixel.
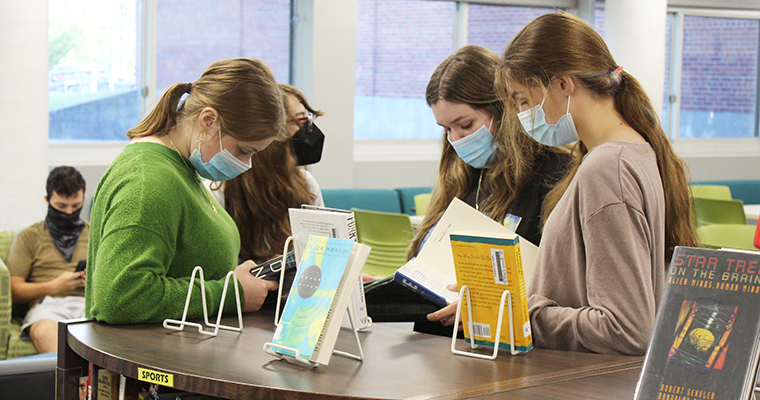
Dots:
pixel 398 364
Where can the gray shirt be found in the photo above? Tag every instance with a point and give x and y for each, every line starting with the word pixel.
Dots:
pixel 600 269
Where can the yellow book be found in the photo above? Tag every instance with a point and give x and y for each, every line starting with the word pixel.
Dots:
pixel 489 264
pixel 108 385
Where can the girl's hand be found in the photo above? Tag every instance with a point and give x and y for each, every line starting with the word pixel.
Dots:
pixel 255 290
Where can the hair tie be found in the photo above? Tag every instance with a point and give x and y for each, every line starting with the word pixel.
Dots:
pixel 617 70
pixel 188 88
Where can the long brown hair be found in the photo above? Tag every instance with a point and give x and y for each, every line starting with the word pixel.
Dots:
pixel 467 77
pixel 292 91
pixel 242 91
pixel 561 44
pixel 258 199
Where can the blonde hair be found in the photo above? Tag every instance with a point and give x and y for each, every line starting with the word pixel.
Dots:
pixel 468 77
pixel 241 90
pixel 561 44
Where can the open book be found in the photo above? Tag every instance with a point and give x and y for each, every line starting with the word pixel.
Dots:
pixel 432 270
pixel 334 223
pixel 319 297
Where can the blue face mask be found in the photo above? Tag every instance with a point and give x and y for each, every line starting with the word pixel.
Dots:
pixel 475 149
pixel 222 167
pixel 561 133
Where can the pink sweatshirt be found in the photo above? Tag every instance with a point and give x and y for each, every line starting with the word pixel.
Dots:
pixel 601 267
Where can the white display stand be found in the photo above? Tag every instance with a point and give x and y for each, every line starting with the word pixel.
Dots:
pixel 269 346
pixel 506 295
pixel 179 325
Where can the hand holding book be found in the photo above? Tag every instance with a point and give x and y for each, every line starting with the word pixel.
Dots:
pixel 255 290
pixel 446 314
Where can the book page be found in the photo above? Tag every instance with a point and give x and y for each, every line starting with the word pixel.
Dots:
pixel 461 217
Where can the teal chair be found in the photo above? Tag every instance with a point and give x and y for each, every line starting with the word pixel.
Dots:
pixel 747 191
pixel 739 236
pixel 389 235
pixel 385 200
pixel 714 211
pixel 717 192
pixel 406 195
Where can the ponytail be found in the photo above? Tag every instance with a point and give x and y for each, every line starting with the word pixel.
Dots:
pixel 634 106
pixel 163 117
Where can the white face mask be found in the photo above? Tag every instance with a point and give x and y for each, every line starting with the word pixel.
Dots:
pixel 535 125
pixel 476 149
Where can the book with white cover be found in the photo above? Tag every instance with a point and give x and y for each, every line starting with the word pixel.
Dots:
pixel 432 270
pixel 332 223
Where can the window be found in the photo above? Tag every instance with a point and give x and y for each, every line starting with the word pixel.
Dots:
pixel 719 70
pixel 231 28
pixel 493 27
pixel 399 43
pixel 94 77
pixel 95 80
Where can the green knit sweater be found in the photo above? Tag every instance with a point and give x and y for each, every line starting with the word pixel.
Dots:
pixel 152 222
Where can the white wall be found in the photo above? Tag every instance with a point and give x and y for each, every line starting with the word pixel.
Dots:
pixel 23 108
pixel 324 55
pixel 635 34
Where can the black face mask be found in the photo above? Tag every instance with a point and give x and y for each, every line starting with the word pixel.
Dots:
pixel 64 230
pixel 308 143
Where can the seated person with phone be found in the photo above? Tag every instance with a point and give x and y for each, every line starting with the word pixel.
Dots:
pixel 47 261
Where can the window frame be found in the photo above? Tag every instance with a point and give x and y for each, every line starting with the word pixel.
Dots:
pixel 704 147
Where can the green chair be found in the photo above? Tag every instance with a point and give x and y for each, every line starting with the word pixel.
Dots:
pixel 11 346
pixel 717 192
pixel 739 236
pixel 389 235
pixel 713 211
pixel 421 203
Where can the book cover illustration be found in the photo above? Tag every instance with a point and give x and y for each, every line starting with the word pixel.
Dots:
pixel 333 223
pixel 705 339
pixel 489 266
pixel 309 307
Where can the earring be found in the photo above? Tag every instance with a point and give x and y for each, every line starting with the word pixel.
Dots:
pixel 202 136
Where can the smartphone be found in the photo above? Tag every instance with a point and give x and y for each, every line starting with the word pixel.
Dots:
pixel 81 265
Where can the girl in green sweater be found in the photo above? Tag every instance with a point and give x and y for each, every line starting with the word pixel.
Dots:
pixel 152 219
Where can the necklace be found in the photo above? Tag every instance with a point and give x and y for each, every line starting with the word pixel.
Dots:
pixel 205 194
pixel 477 192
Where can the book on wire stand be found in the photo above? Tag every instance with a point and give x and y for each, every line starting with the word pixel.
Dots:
pixel 706 335
pixel 494 303
pixel 334 223
pixel 318 300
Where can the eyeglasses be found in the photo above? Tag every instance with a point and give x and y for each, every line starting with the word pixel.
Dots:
pixel 306 124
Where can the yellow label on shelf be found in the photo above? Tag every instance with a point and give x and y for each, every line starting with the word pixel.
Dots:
pixel 161 378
